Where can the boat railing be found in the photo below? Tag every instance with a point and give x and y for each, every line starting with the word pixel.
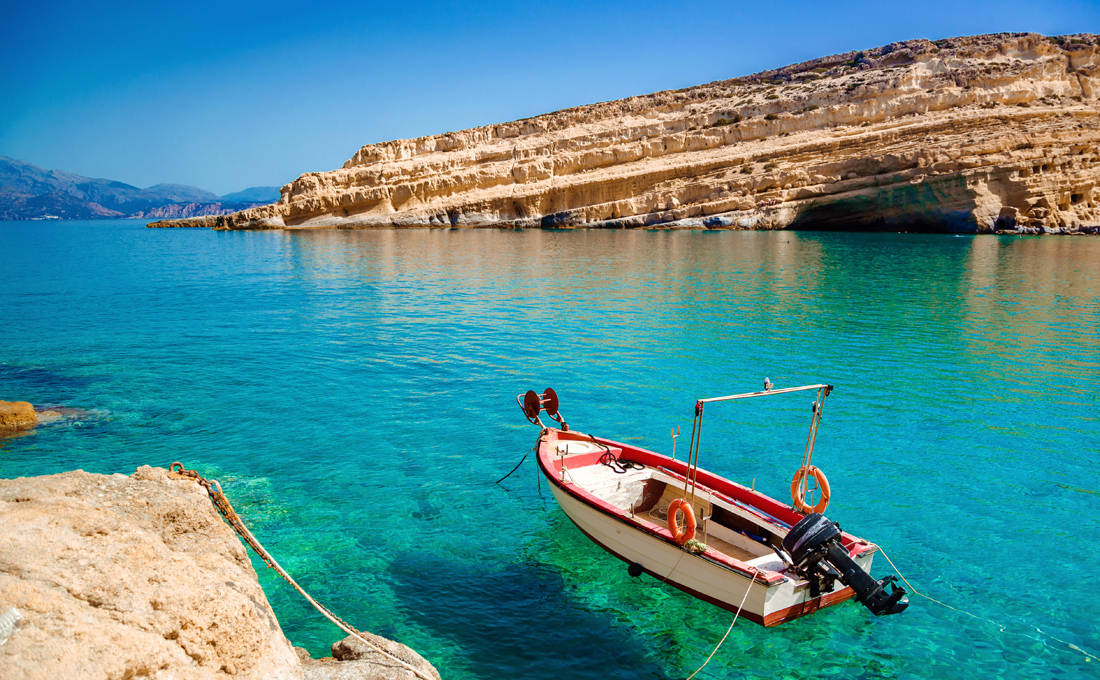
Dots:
pixel 823 390
pixel 766 392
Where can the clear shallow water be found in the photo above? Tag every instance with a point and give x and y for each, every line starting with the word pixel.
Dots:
pixel 353 392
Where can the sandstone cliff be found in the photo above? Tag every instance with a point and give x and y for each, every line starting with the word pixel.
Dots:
pixel 122 577
pixel 968 134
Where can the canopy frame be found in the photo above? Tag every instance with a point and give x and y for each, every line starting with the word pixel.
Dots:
pixel 823 390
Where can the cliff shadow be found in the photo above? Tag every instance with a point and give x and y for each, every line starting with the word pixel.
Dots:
pixel 939 206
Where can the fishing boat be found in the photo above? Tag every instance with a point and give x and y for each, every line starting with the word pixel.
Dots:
pixel 711 537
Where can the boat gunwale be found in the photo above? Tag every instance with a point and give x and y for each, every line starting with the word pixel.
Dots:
pixel 733 491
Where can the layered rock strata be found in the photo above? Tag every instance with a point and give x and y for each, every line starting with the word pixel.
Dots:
pixel 983 133
pixel 112 576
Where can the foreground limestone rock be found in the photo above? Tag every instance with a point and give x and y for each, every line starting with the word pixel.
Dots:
pixel 353 660
pixel 137 577
pixel 983 133
pixel 16 415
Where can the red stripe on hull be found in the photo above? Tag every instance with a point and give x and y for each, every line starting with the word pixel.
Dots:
pixel 551 467
pixel 769 620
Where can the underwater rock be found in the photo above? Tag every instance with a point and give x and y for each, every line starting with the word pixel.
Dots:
pixel 54 415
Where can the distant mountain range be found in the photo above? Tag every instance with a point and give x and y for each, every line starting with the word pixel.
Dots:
pixel 30 192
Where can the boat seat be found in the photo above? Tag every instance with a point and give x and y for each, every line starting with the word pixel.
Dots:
pixel 714 535
pixel 701 506
pixel 623 490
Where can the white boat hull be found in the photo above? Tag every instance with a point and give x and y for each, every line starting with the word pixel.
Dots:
pixel 718 584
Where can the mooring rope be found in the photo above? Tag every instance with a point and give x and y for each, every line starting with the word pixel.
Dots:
pixel 514 469
pixel 735 615
pixel 214 489
pixel 1089 656
pixel 535 450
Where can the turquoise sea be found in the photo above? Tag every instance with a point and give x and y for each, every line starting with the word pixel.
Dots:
pixel 353 391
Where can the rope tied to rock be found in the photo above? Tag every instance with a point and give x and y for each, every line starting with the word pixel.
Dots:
pixel 225 508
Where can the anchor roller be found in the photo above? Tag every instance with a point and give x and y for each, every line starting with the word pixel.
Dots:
pixel 532 403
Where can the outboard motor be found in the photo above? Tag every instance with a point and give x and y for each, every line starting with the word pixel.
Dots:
pixel 817 554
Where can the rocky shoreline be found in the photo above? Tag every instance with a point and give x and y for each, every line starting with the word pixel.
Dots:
pixel 981 134
pixel 117 576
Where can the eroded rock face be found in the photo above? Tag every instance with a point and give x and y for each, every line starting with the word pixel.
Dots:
pixel 137 576
pixel 132 577
pixel 16 416
pixel 966 134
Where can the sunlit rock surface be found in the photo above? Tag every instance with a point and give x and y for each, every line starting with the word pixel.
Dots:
pixel 16 415
pixel 983 133
pixel 138 577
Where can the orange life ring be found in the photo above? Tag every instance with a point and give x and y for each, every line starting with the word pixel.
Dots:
pixel 796 489
pixel 674 508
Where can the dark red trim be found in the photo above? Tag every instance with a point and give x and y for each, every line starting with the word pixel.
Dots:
pixel 769 620
pixel 551 468
pixel 808 607
pixel 720 485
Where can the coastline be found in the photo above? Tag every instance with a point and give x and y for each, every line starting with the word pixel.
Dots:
pixel 723 222
pixel 138 576
pixel 981 134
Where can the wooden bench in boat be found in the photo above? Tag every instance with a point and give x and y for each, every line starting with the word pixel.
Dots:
pixel 648 492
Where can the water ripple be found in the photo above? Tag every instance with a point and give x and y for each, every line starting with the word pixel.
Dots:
pixel 353 390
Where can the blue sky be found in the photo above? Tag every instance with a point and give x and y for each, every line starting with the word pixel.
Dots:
pixel 227 95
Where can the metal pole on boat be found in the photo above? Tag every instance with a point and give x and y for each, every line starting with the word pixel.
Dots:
pixel 691 444
pixel 693 466
pixel 769 390
pixel 811 437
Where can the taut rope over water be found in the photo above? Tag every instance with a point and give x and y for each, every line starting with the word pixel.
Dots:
pixel 1088 655
pixel 214 489
pixel 534 450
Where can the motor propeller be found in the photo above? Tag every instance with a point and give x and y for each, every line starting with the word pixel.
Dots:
pixel 817 554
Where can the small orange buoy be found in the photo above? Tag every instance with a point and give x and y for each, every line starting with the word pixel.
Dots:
pixel 797 494
pixel 675 508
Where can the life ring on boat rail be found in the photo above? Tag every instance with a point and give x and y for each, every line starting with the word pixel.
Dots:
pixel 797 495
pixel 675 508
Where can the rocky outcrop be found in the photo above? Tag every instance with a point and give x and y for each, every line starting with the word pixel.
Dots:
pixel 16 415
pixel 353 660
pixel 139 577
pixel 993 132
